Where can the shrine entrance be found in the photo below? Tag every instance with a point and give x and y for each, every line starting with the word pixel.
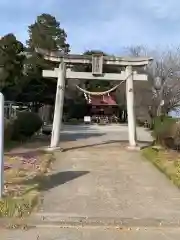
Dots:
pixel 65 71
pixel 103 109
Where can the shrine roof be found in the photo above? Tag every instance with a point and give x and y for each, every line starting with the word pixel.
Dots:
pixel 104 100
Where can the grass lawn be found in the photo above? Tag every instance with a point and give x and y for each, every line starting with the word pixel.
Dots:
pixel 167 161
pixel 24 175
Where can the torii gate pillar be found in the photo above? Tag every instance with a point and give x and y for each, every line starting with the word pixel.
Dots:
pixel 130 107
pixel 58 109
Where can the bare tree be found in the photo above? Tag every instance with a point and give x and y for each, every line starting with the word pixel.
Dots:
pixel 163 77
pixel 166 68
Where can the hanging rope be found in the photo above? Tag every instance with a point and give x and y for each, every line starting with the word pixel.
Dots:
pixel 101 93
pixel 98 93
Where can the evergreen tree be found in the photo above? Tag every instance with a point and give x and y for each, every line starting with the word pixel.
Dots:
pixel 47 34
pixel 11 66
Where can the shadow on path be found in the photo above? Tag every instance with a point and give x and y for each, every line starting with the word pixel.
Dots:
pixel 54 180
pixel 143 144
pixel 37 143
pixel 77 136
pixel 60 178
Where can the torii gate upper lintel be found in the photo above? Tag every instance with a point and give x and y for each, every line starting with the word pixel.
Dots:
pixel 64 71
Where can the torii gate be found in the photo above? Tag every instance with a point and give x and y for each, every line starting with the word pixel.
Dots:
pixel 65 72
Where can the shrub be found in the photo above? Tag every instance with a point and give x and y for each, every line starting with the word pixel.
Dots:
pixel 25 125
pixel 175 135
pixel 162 129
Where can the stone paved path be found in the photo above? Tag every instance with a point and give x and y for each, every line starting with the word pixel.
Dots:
pixel 108 182
pixel 96 178
pixel 91 234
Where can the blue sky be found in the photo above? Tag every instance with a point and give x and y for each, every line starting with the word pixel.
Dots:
pixel 110 25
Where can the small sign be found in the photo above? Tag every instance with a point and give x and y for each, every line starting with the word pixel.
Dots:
pixel 87 119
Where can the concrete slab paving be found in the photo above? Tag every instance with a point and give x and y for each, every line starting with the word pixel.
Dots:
pixel 109 182
pixel 90 234
pixel 98 178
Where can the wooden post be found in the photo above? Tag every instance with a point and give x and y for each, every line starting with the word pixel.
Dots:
pixel 58 109
pixel 130 107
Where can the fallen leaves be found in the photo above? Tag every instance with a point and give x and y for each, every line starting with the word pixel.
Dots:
pixel 23 173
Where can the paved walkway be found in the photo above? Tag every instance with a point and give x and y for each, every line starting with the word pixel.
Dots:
pixel 97 178
pixel 108 182
pixel 97 182
pixel 91 234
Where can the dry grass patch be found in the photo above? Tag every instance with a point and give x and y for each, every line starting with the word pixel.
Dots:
pixel 24 175
pixel 167 161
